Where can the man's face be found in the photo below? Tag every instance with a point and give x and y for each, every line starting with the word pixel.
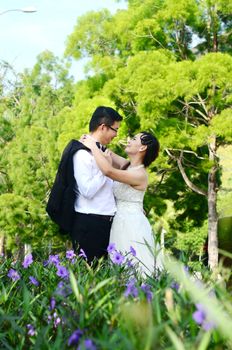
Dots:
pixel 109 132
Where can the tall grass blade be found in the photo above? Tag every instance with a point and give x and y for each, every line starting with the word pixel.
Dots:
pixel 75 288
pixel 175 340
pixel 200 294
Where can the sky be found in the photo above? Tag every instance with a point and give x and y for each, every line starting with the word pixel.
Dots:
pixel 24 35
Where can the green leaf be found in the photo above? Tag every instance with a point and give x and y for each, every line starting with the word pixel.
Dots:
pixel 75 288
pixel 102 284
pixel 175 339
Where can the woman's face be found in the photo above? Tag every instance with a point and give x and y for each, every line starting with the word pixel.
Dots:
pixel 133 144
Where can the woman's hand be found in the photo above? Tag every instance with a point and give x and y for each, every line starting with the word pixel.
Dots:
pixel 88 141
pixel 107 154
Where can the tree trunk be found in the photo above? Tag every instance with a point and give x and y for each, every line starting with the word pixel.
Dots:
pixel 215 42
pixel 212 209
pixel 215 28
pixel 162 239
pixel 2 245
pixel 19 254
pixel 27 249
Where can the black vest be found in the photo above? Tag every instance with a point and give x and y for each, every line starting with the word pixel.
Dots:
pixel 60 206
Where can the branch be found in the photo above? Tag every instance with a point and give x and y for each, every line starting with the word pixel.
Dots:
pixel 157 41
pixel 202 102
pixel 3 172
pixel 187 105
pixel 185 151
pixel 150 35
pixel 162 172
pixel 184 175
pixel 187 181
pixel 160 182
pixel 226 189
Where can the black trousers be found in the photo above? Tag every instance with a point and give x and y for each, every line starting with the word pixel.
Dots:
pixel 91 233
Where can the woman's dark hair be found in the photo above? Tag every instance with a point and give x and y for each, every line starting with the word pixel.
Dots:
pixel 153 147
pixel 103 115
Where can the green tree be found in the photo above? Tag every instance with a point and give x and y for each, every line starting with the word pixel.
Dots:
pixel 28 144
pixel 162 84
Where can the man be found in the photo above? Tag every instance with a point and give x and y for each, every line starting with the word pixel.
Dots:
pixel 95 204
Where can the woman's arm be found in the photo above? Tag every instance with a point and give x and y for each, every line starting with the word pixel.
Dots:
pixel 135 178
pixel 118 161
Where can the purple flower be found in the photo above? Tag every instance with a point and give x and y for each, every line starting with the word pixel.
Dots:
pixel 45 263
pixel 131 289
pixel 129 263
pixel 54 259
pixel 147 290
pixel 88 345
pixel 28 260
pixel 208 325
pixel 62 271
pixel 33 280
pixel 52 303
pixel 31 330
pixel 13 274
pixel 200 317
pixel 75 337
pixel 175 285
pixel 70 254
pixel 200 307
pixel 117 258
pixel 82 254
pixel 63 289
pixel 60 285
pixel 132 251
pixel 57 319
pixel 111 248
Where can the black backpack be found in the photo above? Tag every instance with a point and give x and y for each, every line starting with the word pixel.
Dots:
pixel 60 206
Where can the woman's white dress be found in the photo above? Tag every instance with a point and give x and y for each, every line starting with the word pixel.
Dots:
pixel 131 228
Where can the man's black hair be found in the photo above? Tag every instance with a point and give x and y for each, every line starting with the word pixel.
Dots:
pixel 103 115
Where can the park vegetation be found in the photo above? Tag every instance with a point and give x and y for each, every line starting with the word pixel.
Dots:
pixel 166 66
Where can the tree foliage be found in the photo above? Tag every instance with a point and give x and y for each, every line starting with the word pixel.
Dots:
pixel 167 67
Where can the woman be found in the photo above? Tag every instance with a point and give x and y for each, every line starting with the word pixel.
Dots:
pixel 131 231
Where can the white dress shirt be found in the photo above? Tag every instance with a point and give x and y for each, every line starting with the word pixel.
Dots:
pixel 94 190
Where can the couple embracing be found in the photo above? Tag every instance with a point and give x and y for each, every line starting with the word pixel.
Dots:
pixel 109 192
